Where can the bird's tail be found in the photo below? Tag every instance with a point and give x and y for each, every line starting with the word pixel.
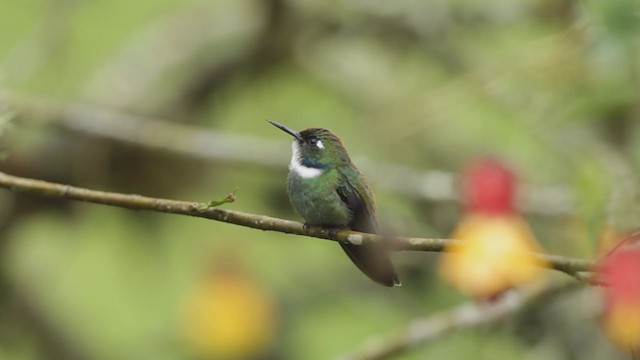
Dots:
pixel 373 261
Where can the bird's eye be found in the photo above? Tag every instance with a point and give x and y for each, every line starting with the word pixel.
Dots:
pixel 316 142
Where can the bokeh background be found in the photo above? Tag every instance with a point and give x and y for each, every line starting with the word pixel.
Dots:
pixel 168 98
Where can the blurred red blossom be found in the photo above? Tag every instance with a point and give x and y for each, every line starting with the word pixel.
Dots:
pixel 619 272
pixel 496 244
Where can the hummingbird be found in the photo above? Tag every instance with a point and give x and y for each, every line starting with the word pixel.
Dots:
pixel 328 190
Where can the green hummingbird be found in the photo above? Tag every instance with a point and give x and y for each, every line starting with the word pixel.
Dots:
pixel 328 190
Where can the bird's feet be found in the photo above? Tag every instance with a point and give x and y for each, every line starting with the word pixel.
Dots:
pixel 332 230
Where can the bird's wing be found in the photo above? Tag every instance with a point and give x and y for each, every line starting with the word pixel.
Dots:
pixel 374 261
pixel 355 193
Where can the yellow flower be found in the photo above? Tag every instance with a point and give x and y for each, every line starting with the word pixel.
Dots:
pixel 495 253
pixel 622 324
pixel 229 317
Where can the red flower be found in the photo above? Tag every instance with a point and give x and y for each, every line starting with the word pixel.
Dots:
pixel 619 271
pixel 489 187
pixel 496 244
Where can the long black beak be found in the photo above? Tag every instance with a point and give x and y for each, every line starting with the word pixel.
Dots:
pixel 286 129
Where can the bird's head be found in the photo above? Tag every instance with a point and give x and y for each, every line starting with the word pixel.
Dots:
pixel 316 148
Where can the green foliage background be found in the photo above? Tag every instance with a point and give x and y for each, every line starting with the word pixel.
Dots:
pixel 550 86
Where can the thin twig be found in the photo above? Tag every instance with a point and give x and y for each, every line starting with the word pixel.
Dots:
pixel 262 222
pixel 465 316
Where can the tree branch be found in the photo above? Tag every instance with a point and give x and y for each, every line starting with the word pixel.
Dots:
pixel 137 202
pixel 466 316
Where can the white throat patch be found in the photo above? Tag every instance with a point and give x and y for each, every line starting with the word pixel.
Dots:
pixel 296 166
